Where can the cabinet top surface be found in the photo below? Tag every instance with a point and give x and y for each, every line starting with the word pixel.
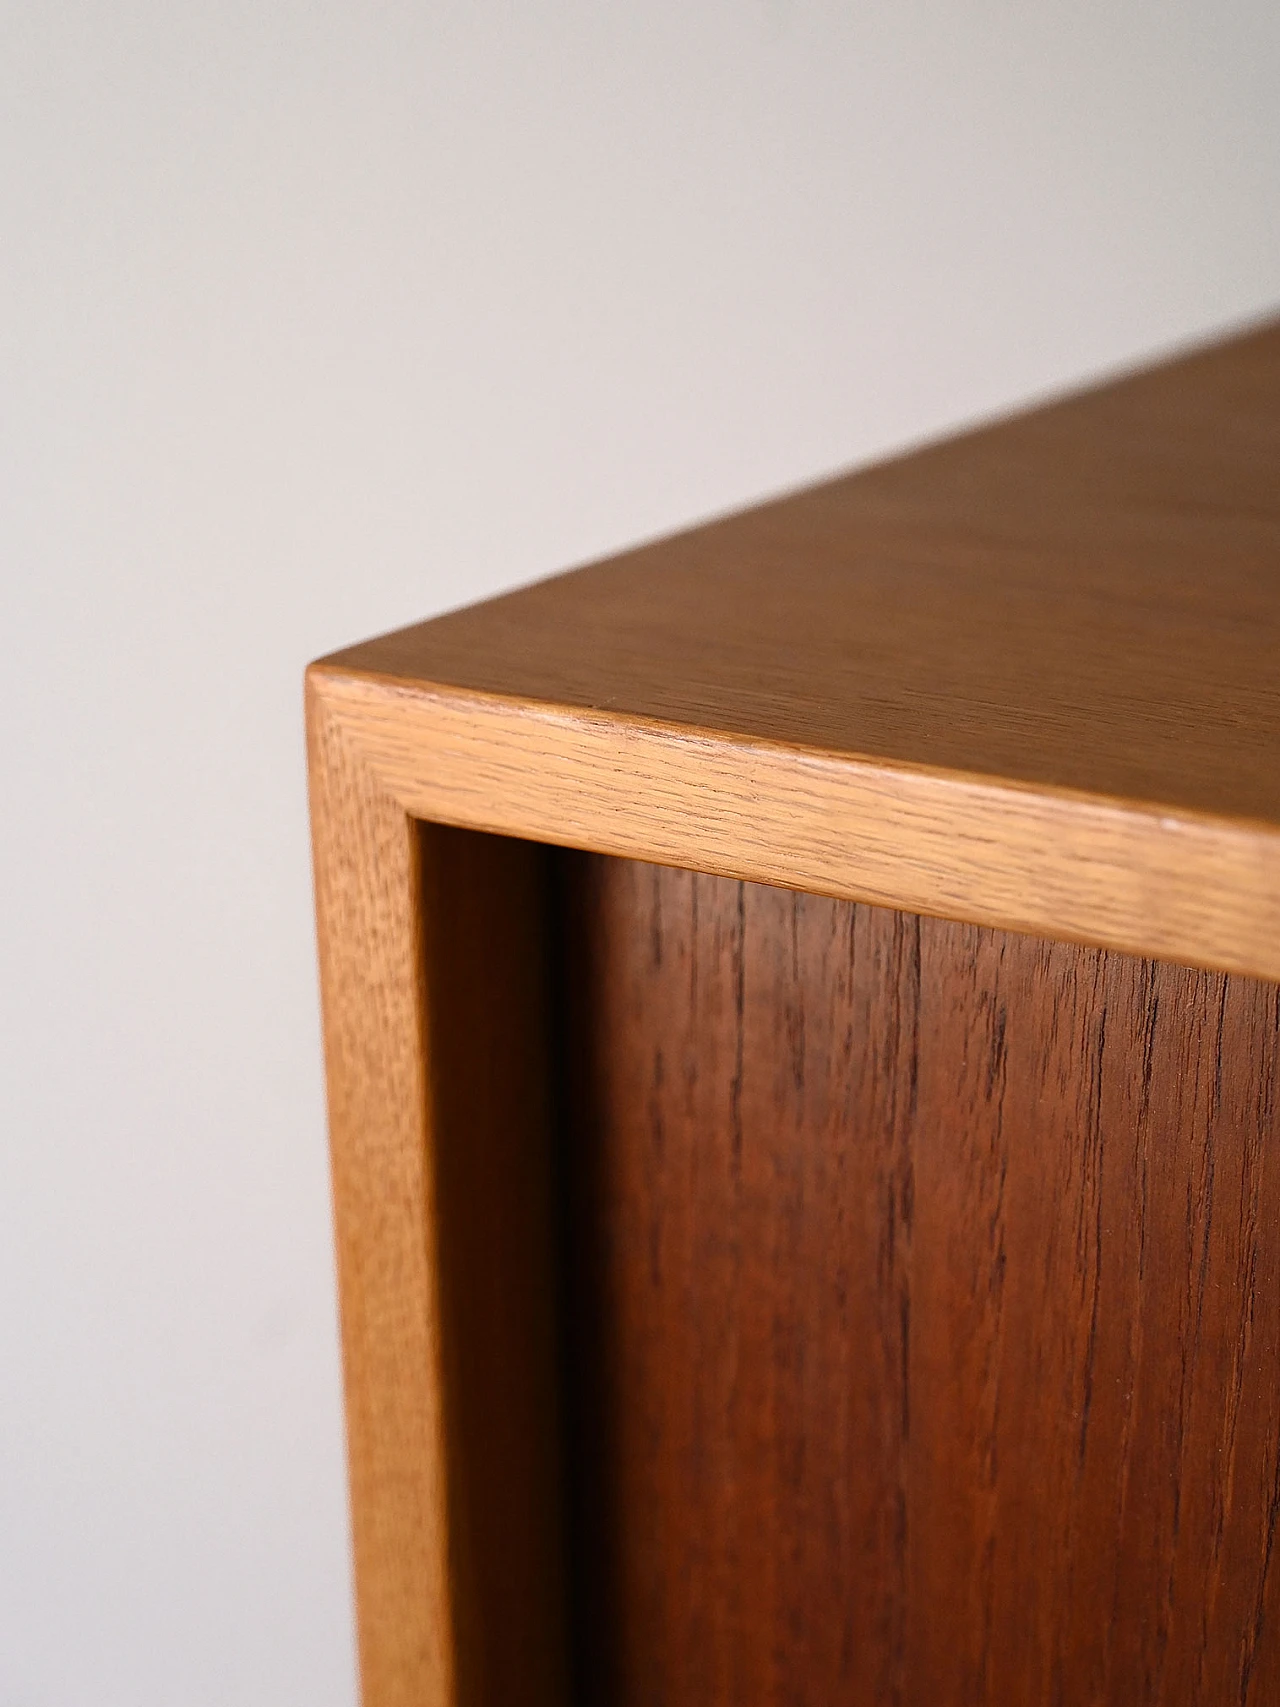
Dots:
pixel 1085 597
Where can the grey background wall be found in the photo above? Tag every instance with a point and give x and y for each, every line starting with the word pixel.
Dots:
pixel 320 317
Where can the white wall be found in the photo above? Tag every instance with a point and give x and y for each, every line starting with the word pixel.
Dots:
pixel 318 318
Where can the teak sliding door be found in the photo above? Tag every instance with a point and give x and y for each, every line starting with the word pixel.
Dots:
pixel 924 1308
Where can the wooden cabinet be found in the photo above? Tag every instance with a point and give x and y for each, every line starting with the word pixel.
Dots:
pixel 803 1039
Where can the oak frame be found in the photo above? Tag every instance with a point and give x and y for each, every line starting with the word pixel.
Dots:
pixel 437 1542
pixel 386 759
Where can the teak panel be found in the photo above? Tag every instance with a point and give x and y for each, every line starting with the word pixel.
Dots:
pixel 926 1309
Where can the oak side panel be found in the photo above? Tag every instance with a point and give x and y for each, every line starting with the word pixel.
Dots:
pixel 925 1312
pixel 368 914
pixel 435 994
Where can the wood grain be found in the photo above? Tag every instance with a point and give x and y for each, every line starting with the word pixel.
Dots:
pixel 368 912
pixel 927 1317
pixel 1084 597
pixel 434 978
pixel 1201 890
pixel 923 1276
pixel 1026 678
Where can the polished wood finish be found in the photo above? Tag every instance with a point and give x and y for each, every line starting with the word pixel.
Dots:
pixel 1081 597
pixel 926 1304
pixel 1028 677
pixel 904 1289
pixel 433 961
pixel 369 924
